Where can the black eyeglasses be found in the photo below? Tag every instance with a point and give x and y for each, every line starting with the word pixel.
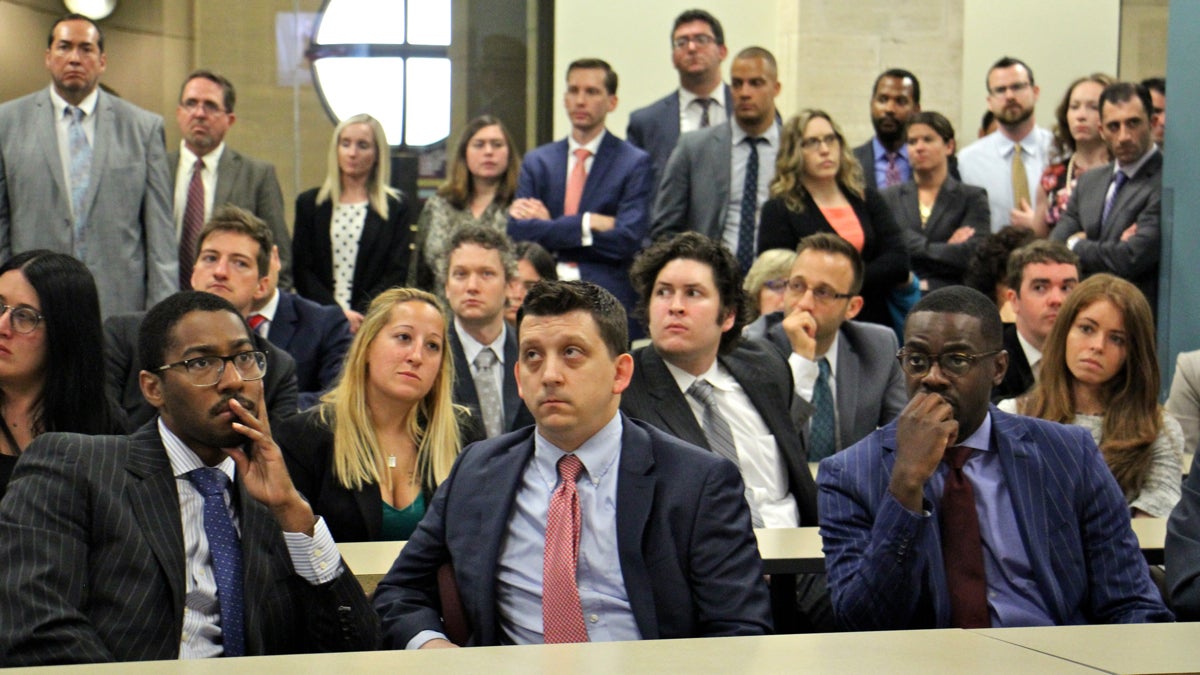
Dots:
pixel 1015 88
pixel 205 371
pixel 823 294
pixel 210 108
pixel 777 285
pixel 23 319
pixel 701 40
pixel 955 364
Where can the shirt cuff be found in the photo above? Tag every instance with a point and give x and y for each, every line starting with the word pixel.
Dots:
pixel 585 234
pixel 315 558
pixel 804 374
pixel 1071 241
pixel 424 636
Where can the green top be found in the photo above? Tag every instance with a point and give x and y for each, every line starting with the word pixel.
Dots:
pixel 398 524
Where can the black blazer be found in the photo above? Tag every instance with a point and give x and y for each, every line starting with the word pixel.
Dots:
pixel 1018 379
pixel 883 250
pixel 516 415
pixel 957 205
pixel 654 397
pixel 383 251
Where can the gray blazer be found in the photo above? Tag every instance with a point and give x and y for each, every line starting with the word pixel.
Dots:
pixel 132 249
pixel 251 184
pixel 865 154
pixel 957 205
pixel 693 192
pixel 655 128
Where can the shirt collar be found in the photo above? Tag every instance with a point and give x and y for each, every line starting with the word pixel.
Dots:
pixel 268 310
pixel 183 460
pixel 87 105
pixel 1132 169
pixel 591 146
pixel 982 438
pixel 715 375
pixel 881 152
pixel 472 347
pixel 831 355
pixel 739 134
pixel 597 453
pixel 1032 354
pixel 686 97
pixel 188 158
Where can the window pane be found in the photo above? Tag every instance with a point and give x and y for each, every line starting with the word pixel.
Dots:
pixel 429 22
pixel 429 96
pixel 371 85
pixel 379 22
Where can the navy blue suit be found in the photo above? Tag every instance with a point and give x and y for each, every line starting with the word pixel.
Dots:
pixel 687 552
pixel 618 185
pixel 885 563
pixel 655 128
pixel 317 336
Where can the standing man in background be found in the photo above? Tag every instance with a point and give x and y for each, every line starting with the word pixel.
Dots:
pixel 884 157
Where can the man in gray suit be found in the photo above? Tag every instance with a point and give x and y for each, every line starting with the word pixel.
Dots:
pixel 85 173
pixel 844 370
pixel 709 179
pixel 1112 218
pixel 702 100
pixel 205 114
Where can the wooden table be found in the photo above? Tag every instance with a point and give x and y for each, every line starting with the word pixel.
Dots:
pixel 1151 533
pixel 1139 648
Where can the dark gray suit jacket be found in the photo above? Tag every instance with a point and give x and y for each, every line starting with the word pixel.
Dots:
pixel 655 128
pixel 693 193
pixel 654 397
pixel 865 154
pixel 251 184
pixel 1140 201
pixel 957 205
pixel 92 540
pixel 131 246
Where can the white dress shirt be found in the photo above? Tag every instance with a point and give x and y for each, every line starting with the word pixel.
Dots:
pixel 690 110
pixel 805 373
pixel 987 163
pixel 472 347
pixel 766 172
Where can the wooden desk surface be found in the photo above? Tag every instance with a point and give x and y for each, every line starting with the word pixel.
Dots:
pixel 1138 648
pixel 1151 534
pixel 933 651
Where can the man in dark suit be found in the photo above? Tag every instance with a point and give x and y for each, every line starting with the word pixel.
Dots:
pixel 590 526
pixel 884 157
pixel 1033 528
pixel 184 540
pixel 84 172
pixel 205 114
pixel 233 263
pixel 846 377
pixel 586 198
pixel 479 267
pixel 702 100
pixel 1040 277
pixel 717 179
pixel 1112 218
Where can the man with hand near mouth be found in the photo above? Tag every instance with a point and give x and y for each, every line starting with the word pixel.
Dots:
pixel 959 515
pixel 184 540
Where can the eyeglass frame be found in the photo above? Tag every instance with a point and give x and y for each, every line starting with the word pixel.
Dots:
pixel 972 359
pixel 186 363
pixel 1015 88
pixel 778 285
pixel 209 107
pixel 38 317
pixel 822 294
pixel 702 40
pixel 828 140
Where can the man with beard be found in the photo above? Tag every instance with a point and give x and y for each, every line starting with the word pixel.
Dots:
pixel 186 539
pixel 718 178
pixel 1008 163
pixel 884 158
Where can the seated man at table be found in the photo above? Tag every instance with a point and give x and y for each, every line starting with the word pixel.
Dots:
pixel 186 539
pixel 1182 549
pixel 653 541
pixel 1021 525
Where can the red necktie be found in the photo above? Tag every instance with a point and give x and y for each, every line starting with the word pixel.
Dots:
pixel 962 546
pixel 575 182
pixel 256 320
pixel 193 222
pixel 562 613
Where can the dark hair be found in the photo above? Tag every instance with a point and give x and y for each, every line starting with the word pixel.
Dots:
pixel 77 17
pixel 987 120
pixel 832 243
pixel 700 15
pixel 484 237
pixel 760 53
pixel 230 218
pixel 73 393
pixel 1064 141
pixel 726 275
pixel 156 334
pixel 610 75
pixel 1120 92
pixel 989 263
pixel 1038 251
pixel 227 90
pixel 460 184
pixel 1158 84
pixel 899 73
pixel 936 121
pixel 555 298
pixel 1007 62
pixel 533 252
pixel 968 301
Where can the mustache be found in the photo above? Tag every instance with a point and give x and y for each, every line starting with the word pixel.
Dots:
pixel 223 405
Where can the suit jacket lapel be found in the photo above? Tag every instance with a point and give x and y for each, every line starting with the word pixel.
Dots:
pixel 464 382
pixel 102 142
pixel 227 176
pixel 635 498
pixel 556 181
pixel 846 378
pixel 512 399
pixel 44 129
pixel 283 327
pixel 259 535
pixel 935 227
pixel 155 503
pixel 504 471
pixel 1132 193
pixel 672 407
pixel 602 163
pixel 723 152
pixel 373 231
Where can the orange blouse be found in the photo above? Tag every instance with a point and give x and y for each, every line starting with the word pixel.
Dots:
pixel 846 224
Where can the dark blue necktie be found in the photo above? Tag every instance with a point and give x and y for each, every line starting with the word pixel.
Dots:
pixel 824 422
pixel 226 551
pixel 745 240
pixel 1118 182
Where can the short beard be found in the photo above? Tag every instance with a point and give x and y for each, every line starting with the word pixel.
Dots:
pixel 1017 121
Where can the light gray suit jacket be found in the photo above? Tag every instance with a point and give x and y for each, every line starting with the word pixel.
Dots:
pixel 132 249
pixel 693 192
pixel 251 184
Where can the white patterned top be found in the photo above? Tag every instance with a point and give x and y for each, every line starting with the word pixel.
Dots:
pixel 345 230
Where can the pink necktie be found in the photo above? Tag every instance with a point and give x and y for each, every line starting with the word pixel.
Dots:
pixel 575 182
pixel 562 613
pixel 193 222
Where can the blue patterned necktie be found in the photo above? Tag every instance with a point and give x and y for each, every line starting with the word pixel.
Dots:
pixel 226 550
pixel 1118 182
pixel 746 227
pixel 824 423
pixel 81 174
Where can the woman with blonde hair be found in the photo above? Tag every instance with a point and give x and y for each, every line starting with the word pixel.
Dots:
pixel 1099 370
pixel 370 456
pixel 351 240
pixel 819 187
pixel 767 279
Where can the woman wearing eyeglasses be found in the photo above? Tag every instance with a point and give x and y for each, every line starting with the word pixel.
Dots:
pixel 767 280
pixel 1099 370
pixel 370 456
pixel 941 220
pixel 51 347
pixel 819 187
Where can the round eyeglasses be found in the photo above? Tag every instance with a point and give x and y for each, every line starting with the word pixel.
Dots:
pixel 23 319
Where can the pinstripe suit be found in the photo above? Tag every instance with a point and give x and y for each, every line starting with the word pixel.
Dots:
pixel 94 568
pixel 885 563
